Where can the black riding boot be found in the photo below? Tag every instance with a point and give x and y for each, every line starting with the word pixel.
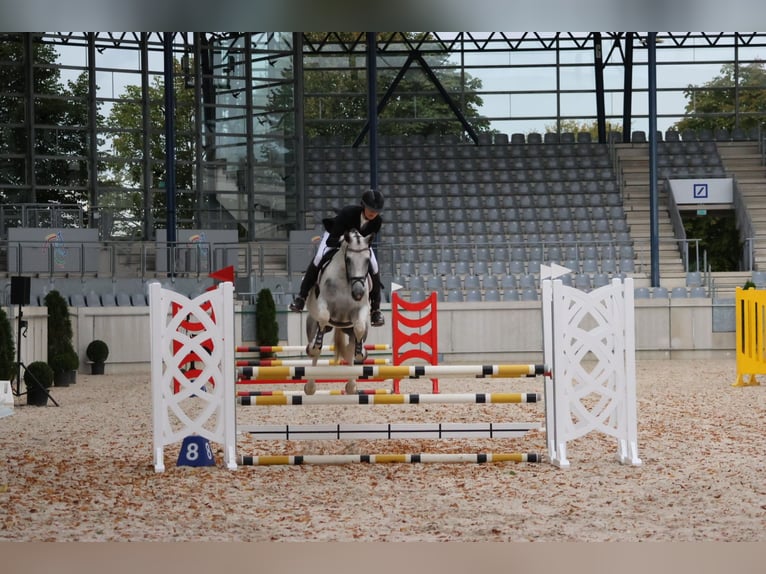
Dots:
pixel 309 278
pixel 376 317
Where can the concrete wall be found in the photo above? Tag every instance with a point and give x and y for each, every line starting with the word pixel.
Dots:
pixel 468 332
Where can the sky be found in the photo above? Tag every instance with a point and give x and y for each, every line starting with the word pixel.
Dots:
pixel 124 63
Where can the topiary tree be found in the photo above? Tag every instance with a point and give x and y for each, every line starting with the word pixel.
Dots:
pixel 266 326
pixel 7 348
pixel 60 333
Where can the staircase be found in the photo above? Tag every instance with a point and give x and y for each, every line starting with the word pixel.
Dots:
pixel 742 161
pixel 633 170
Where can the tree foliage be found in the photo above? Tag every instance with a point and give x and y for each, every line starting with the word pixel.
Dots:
pixel 712 105
pixel 719 240
pixel 127 122
pixel 7 348
pixel 61 117
pixel 574 126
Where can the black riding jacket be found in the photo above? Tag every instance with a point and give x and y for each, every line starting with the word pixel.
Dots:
pixel 348 218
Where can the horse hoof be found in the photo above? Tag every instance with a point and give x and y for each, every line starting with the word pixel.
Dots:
pixel 310 388
pixel 351 388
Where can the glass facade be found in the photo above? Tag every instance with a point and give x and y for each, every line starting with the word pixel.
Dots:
pixel 83 140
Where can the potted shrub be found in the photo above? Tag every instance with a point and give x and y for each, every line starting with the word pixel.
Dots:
pixel 38 377
pixel 266 326
pixel 60 335
pixel 64 366
pixel 7 349
pixel 97 351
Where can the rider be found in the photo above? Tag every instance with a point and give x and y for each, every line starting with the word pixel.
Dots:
pixel 366 219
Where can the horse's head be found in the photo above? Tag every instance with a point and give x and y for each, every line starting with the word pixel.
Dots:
pixel 356 254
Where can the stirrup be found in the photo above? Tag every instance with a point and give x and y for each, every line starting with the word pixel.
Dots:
pixel 377 319
pixel 297 304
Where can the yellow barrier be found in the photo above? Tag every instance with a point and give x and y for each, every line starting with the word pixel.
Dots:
pixel 751 334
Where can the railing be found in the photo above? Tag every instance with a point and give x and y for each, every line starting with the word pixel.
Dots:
pixel 120 259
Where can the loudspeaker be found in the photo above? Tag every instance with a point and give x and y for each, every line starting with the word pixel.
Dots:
pixel 20 287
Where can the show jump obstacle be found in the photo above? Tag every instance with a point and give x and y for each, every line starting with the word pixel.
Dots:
pixel 589 382
pixel 750 315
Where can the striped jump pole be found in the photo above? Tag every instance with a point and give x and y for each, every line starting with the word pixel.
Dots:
pixel 445 458
pixel 318 392
pixel 302 348
pixel 304 362
pixel 389 431
pixel 393 371
pixel 392 399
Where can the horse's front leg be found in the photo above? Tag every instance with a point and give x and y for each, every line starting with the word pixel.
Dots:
pixel 314 348
pixel 360 336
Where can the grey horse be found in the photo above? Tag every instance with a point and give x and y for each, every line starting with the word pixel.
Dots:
pixel 340 301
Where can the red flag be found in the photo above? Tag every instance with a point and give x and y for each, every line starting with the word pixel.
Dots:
pixel 225 274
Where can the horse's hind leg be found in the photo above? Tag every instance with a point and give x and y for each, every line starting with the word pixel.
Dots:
pixel 345 350
pixel 315 336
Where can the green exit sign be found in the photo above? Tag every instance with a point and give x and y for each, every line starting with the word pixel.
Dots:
pixel 702 212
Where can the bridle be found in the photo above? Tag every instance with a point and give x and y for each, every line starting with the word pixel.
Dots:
pixel 356 279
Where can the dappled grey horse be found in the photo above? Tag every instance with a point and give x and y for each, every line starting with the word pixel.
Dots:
pixel 340 300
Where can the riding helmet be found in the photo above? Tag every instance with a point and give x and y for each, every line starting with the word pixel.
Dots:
pixel 373 200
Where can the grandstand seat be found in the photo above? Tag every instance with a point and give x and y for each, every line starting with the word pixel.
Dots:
pixel 108 300
pixel 582 281
pixel 516 266
pixel 491 295
pixel 123 300
pixel 679 293
pixel 527 281
pixel 739 134
pixel 443 267
pixel 481 267
pixel 92 300
pixel 627 265
pixel 471 282
pixel 434 283
pixel 417 295
pixel 529 295
pixel 508 282
pixel 417 282
pixel 759 278
pixel 462 267
pixel 138 299
pixel 454 295
pixel 406 268
pixel 693 279
pixel 697 292
pixel 660 293
pixel 600 279
pixel 510 294
pixel 452 282
pixel 77 300
pixel 425 268
pixel 489 282
pixel 641 293
pixel 722 135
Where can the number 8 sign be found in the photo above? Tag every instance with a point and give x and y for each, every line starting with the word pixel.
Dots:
pixel 196 451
